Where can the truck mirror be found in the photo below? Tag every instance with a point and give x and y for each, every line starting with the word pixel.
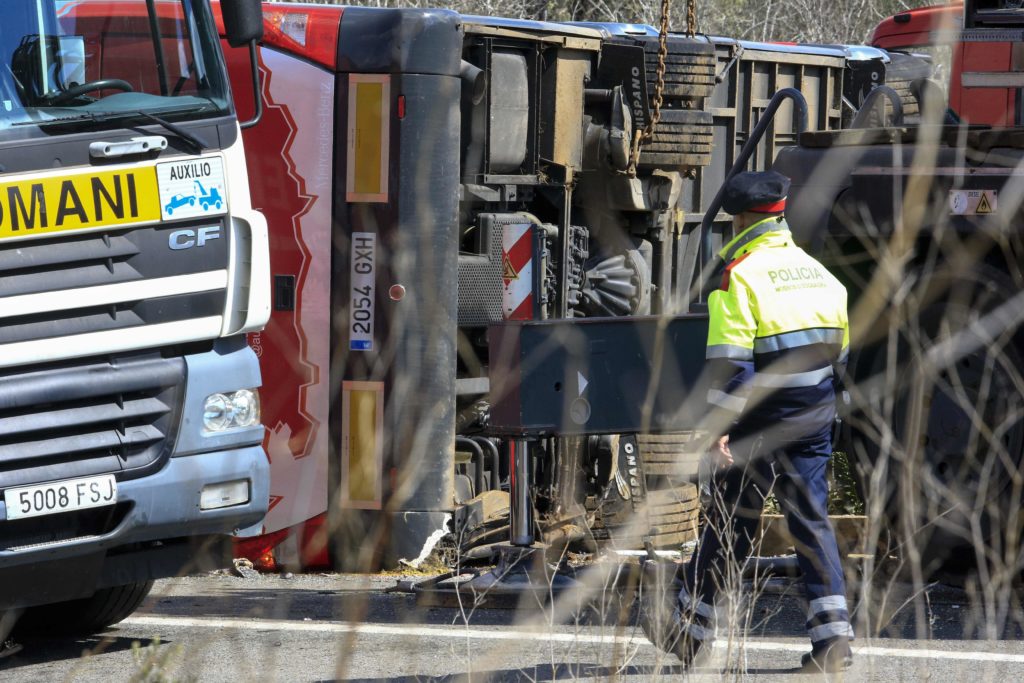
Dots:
pixel 47 66
pixel 243 26
pixel 243 21
pixel 71 61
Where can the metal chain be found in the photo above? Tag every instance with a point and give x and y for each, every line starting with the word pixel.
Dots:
pixel 691 18
pixel 659 87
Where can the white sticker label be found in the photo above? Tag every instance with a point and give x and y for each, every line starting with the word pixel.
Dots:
pixel 972 202
pixel 364 259
pixel 191 188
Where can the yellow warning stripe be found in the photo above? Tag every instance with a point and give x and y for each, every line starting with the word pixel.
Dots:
pixel 362 448
pixel 369 118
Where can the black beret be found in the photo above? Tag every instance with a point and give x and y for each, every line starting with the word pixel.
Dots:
pixel 761 191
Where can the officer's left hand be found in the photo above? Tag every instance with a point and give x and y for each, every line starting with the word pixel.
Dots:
pixel 722 452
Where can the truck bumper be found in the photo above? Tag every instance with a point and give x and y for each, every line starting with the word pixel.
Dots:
pixel 166 505
pixel 163 532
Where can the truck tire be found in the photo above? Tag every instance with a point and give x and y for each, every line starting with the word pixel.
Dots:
pixel 671 518
pixel 957 435
pixel 671 464
pixel 900 75
pixel 690 68
pixel 682 138
pixel 89 615
pixel 671 508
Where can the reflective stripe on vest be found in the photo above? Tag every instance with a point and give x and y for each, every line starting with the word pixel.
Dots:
pixel 752 233
pixel 792 340
pixel 793 380
pixel 734 404
pixel 729 351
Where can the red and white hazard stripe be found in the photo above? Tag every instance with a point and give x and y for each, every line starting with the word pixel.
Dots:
pixel 517 271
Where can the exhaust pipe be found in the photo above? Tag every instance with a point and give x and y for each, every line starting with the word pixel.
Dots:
pixel 474 83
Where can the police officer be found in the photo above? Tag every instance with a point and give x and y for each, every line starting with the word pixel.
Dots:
pixel 777 343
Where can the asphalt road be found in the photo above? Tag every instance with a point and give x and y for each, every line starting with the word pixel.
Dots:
pixel 350 628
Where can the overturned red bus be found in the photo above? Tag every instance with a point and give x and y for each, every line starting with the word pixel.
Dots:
pixel 426 174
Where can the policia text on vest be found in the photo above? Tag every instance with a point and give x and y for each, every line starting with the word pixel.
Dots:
pixel 801 278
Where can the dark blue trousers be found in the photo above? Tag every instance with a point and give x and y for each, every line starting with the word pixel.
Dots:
pixel 797 474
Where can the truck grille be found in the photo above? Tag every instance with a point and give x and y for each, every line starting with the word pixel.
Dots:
pixel 38 532
pixel 100 284
pixel 89 418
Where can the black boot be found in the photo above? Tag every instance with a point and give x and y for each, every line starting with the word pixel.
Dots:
pixel 662 621
pixel 8 648
pixel 830 659
pixel 690 650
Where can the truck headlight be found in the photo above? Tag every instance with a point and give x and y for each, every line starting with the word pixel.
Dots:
pixel 246 406
pixel 223 411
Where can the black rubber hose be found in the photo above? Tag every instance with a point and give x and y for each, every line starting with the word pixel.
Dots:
pixel 477 458
pixel 799 122
pixel 492 449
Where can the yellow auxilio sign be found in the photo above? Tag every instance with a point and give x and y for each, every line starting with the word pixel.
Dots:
pixel 78 201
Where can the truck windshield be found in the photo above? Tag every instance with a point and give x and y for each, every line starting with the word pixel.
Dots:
pixel 100 61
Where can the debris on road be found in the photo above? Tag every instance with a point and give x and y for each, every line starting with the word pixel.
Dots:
pixel 244 568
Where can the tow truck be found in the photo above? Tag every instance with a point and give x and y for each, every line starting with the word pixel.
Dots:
pixel 130 436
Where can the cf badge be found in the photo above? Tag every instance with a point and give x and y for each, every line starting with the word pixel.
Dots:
pixel 186 239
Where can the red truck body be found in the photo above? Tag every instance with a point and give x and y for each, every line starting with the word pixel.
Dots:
pixel 291 182
pixel 981 53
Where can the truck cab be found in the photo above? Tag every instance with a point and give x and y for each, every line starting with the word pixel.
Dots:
pixel 129 410
pixel 978 57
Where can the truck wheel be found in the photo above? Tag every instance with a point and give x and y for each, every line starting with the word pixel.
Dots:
pixel 690 68
pixel 88 615
pixel 683 138
pixel 670 464
pixel 668 503
pixel 901 73
pixel 942 432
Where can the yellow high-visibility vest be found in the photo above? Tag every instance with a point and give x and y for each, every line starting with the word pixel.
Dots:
pixel 778 328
